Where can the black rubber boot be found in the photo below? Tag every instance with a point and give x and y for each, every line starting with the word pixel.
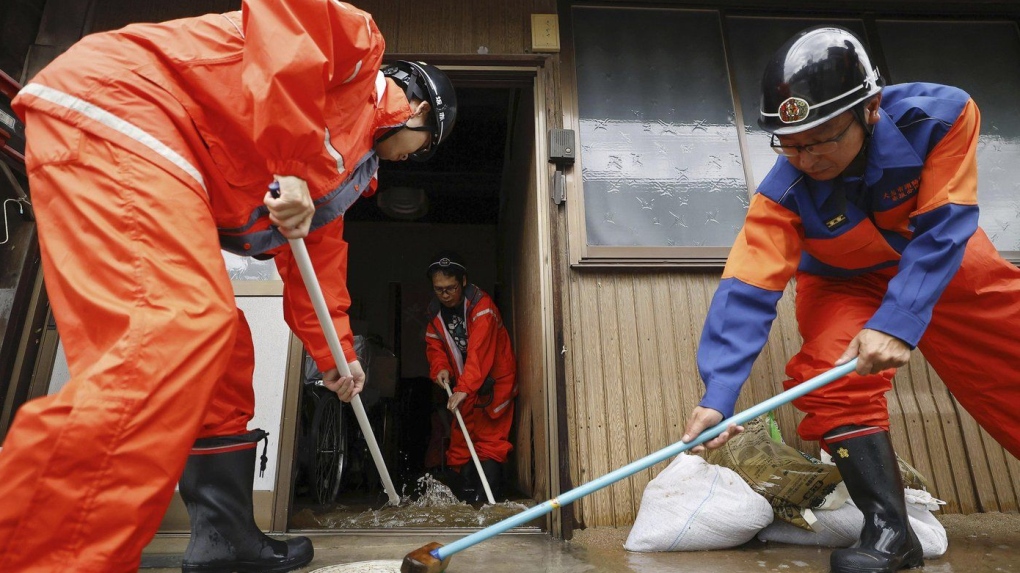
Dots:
pixel 217 488
pixel 471 489
pixel 866 461
pixel 494 474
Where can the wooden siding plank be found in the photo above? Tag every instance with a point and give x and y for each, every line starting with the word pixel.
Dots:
pixel 597 461
pixel 613 395
pixel 673 297
pixel 984 487
pixel 578 389
pixel 633 367
pixel 654 374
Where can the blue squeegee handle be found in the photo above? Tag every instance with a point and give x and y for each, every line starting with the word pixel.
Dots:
pixel 645 462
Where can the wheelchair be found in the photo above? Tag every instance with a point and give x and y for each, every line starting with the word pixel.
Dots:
pixel 324 439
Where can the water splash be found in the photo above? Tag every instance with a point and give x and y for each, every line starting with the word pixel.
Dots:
pixel 435 506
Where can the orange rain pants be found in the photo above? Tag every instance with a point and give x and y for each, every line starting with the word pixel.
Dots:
pixel 141 296
pixel 972 341
pixel 488 434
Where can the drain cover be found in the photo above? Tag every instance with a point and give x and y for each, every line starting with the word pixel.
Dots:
pixel 363 567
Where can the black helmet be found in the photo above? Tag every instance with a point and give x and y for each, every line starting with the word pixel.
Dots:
pixel 818 74
pixel 427 83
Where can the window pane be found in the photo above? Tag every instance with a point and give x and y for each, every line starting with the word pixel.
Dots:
pixel 982 58
pixel 659 149
pixel 752 41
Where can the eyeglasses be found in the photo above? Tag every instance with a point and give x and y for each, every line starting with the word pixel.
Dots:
pixel 452 289
pixel 425 149
pixel 820 148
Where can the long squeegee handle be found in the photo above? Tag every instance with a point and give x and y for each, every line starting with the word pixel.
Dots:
pixel 645 462
pixel 304 262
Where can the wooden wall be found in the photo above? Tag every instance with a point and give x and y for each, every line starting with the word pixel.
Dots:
pixel 522 258
pixel 456 26
pixel 632 380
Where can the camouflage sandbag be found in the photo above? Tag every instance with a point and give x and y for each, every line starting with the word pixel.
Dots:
pixel 790 480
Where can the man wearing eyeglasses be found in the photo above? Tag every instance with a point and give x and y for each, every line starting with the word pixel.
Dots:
pixel 872 207
pixel 468 347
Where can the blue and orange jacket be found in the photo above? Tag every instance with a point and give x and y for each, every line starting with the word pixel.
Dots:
pixel 915 208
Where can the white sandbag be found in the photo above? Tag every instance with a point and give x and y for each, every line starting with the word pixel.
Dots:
pixel 842 527
pixel 839 527
pixel 693 505
pixel 930 531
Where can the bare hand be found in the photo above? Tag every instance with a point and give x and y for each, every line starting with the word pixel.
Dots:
pixel 292 211
pixel 346 387
pixel 875 351
pixel 442 378
pixel 455 401
pixel 702 419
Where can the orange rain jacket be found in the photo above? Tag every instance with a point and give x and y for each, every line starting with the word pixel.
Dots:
pixel 284 88
pixel 489 355
pixel 489 352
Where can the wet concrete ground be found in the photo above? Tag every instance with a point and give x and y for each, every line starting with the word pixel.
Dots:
pixel 978 543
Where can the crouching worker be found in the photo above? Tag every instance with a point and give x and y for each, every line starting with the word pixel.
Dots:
pixel 469 348
pixel 150 149
pixel 872 206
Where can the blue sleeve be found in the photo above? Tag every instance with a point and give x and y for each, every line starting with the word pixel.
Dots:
pixel 736 329
pixel 929 262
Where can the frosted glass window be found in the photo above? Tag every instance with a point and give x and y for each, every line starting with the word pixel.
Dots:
pixel 752 42
pixel 660 155
pixel 983 59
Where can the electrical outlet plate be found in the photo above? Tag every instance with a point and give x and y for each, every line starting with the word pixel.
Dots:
pixel 545 33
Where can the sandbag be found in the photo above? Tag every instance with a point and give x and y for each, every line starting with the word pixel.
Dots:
pixel 792 481
pixel 693 505
pixel 842 527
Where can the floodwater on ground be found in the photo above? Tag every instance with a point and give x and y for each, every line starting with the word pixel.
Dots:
pixel 435 506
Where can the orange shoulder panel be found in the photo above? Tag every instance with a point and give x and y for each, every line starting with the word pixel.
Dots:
pixel 950 171
pixel 767 250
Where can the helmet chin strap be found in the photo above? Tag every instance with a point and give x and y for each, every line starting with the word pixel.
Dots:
pixel 860 161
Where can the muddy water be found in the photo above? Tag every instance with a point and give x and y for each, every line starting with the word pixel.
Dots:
pixel 435 507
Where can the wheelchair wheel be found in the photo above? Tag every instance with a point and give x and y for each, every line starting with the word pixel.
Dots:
pixel 329 441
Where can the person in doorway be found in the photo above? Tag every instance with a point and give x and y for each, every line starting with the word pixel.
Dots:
pixel 469 349
pixel 872 206
pixel 150 148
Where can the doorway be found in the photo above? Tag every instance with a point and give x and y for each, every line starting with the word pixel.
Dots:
pixel 477 196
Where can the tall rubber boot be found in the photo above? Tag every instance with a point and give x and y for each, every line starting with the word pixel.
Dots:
pixel 471 489
pixel 217 488
pixel 865 458
pixel 494 474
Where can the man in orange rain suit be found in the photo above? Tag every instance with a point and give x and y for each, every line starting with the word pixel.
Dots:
pixel 468 346
pixel 873 207
pixel 151 148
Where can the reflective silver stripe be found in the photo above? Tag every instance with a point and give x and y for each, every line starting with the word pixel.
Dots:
pixel 481 314
pixel 357 69
pixel 380 87
pixel 334 153
pixel 430 335
pixel 235 25
pixel 499 408
pixel 117 124
pixel 869 82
